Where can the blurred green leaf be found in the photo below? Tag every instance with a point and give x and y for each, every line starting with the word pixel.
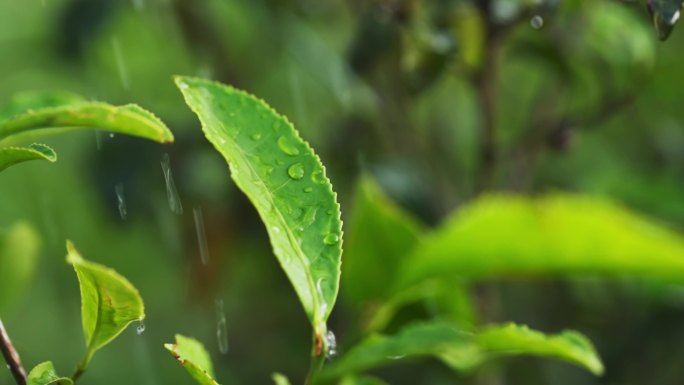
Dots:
pixel 380 235
pixel 19 248
pixel 280 379
pixel 9 156
pixel 109 303
pixel 286 182
pixel 464 351
pixel 45 374
pixel 25 101
pixel 129 119
pixel 192 355
pixel 361 380
pixel 513 236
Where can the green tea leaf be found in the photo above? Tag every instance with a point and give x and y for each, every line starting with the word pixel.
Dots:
pixel 191 354
pixel 129 119
pixel 380 235
pixel 109 303
pixel 9 156
pixel 286 182
pixel 25 101
pixel 280 379
pixel 464 351
pixel 19 248
pixel 45 374
pixel 558 235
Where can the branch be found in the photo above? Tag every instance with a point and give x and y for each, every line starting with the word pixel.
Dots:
pixel 11 357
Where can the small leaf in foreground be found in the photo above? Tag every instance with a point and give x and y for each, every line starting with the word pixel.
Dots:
pixel 45 374
pixel 129 119
pixel 109 303
pixel 464 351
pixel 286 182
pixel 9 156
pixel 192 355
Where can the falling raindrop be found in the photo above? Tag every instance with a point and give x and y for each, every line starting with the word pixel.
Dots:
pixel 221 329
pixel 330 345
pixel 174 200
pixel 120 64
pixel 287 147
pixel 141 327
pixel 121 199
pixel 296 171
pixel 537 22
pixel 201 235
pixel 98 140
pixel 331 239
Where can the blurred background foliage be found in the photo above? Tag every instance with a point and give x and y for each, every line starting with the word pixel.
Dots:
pixel 438 100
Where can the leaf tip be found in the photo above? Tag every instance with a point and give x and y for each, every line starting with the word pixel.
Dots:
pixel 73 256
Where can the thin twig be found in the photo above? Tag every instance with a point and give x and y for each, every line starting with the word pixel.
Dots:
pixel 11 356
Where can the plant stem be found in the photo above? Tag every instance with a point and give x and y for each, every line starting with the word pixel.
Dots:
pixel 317 358
pixel 11 357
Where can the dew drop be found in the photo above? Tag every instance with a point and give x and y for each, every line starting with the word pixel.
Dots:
pixel 318 177
pixel 537 22
pixel 121 200
pixel 141 328
pixel 221 327
pixel 276 229
pixel 201 235
pixel 308 189
pixel 275 126
pixel 331 239
pixel 287 147
pixel 296 171
pixel 256 136
pixel 171 192
pixel 330 345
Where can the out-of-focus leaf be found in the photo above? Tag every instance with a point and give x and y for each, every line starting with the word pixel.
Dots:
pixel 361 380
pixel 557 235
pixel 286 182
pixel 280 379
pixel 665 14
pixel 9 156
pixel 129 119
pixel 380 235
pixel 451 298
pixel 192 355
pixel 19 248
pixel 109 303
pixel 465 351
pixel 45 374
pixel 26 101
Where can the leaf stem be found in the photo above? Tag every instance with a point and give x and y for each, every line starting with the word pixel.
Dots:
pixel 317 357
pixel 11 357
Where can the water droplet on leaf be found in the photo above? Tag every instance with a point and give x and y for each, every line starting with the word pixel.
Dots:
pixel 308 189
pixel 318 177
pixel 255 136
pixel 331 239
pixel 296 171
pixel 665 14
pixel 287 147
pixel 141 328
pixel 330 345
